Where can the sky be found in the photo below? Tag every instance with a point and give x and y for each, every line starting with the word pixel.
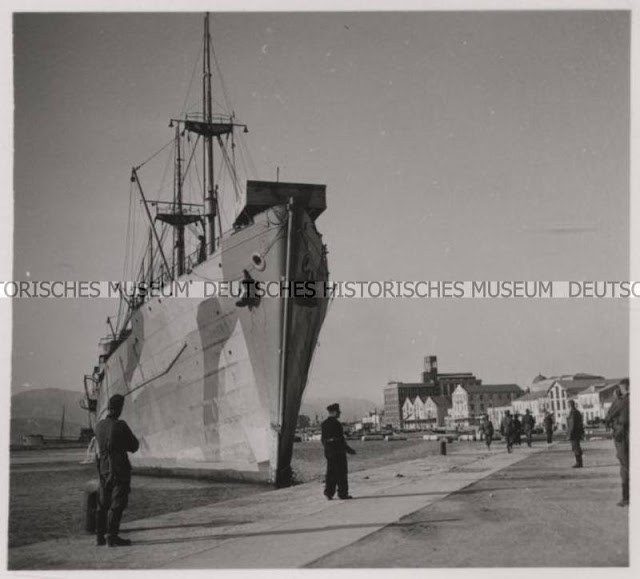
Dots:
pixel 454 146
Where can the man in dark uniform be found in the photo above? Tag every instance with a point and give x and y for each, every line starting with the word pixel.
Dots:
pixel 115 439
pixel 618 420
pixel 335 451
pixel 487 430
pixel 528 422
pixel 517 430
pixel 507 429
pixel 548 426
pixel 575 432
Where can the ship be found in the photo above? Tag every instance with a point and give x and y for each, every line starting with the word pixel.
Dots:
pixel 213 385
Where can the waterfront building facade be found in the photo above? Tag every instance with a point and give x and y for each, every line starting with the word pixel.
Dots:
pixel 470 403
pixel 420 413
pixel 536 402
pixel 434 384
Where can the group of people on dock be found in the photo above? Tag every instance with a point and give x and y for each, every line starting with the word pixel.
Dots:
pixel 512 428
pixel 114 440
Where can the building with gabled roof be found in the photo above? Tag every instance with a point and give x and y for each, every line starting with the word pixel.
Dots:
pixel 542 384
pixel 590 394
pixel 433 384
pixel 535 402
pixel 469 403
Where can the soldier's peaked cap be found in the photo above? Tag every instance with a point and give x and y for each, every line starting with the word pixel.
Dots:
pixel 333 408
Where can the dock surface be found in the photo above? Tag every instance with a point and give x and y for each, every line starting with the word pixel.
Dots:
pixel 466 509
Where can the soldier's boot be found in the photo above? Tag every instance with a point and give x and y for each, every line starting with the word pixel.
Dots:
pixel 625 494
pixel 118 542
pixel 101 527
pixel 113 528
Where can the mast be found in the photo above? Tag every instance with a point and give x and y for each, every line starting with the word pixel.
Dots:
pixel 150 266
pixel 210 201
pixel 179 228
pixel 62 423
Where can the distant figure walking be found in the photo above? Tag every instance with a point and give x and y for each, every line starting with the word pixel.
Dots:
pixel 486 427
pixel 508 430
pixel 618 420
pixel 528 422
pixel 115 440
pixel 335 451
pixel 517 425
pixel 548 426
pixel 575 432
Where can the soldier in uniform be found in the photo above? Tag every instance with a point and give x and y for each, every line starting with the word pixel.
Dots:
pixel 517 430
pixel 487 430
pixel 548 426
pixel 575 432
pixel 618 420
pixel 528 422
pixel 335 451
pixel 115 440
pixel 508 430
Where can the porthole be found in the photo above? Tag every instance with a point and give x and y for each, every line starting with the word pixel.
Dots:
pixel 258 261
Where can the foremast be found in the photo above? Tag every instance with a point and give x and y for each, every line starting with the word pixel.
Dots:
pixel 208 127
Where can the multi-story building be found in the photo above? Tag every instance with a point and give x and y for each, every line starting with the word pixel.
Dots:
pixel 433 384
pixel 370 423
pixel 424 413
pixel 542 384
pixel 469 403
pixel 396 395
pixel 536 402
pixel 595 401
pixel 438 407
pixel 449 382
pixel 496 414
pixel 593 397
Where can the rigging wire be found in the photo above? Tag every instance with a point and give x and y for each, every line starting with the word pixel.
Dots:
pixel 127 238
pixel 246 158
pixel 222 83
pixel 154 155
pixel 193 76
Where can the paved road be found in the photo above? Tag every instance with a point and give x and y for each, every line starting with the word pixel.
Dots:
pixel 467 509
pixel 538 512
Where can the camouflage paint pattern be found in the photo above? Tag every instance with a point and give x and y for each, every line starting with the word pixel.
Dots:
pixel 201 376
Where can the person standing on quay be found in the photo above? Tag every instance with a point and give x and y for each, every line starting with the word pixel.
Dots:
pixel 517 430
pixel 335 451
pixel 548 426
pixel 575 432
pixel 528 422
pixel 487 430
pixel 507 429
pixel 618 420
pixel 115 440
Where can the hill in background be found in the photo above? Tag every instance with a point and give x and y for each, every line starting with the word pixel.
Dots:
pixel 352 408
pixel 40 412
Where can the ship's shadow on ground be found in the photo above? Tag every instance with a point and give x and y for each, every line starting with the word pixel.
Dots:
pixel 225 536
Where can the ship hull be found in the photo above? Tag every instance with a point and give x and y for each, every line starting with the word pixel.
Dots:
pixel 213 386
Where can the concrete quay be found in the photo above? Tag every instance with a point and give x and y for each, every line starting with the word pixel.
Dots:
pixel 470 509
